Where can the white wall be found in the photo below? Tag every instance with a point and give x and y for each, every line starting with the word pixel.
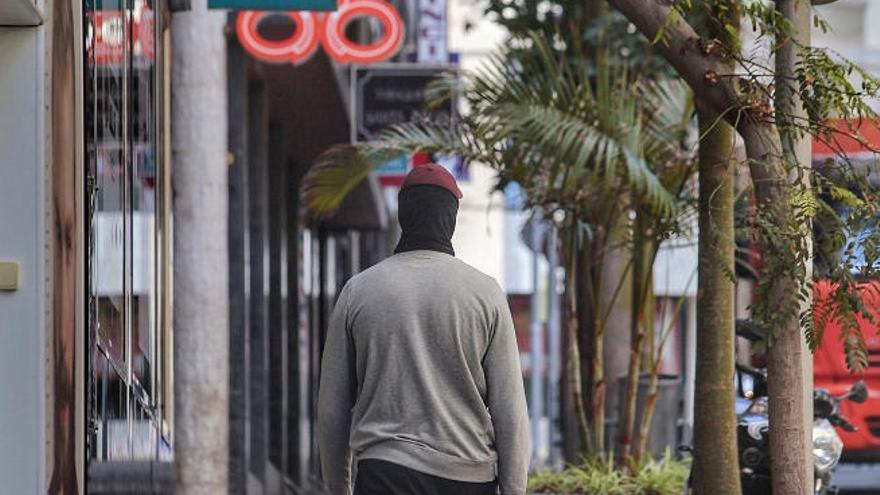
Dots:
pixel 480 40
pixel 479 234
pixel 675 269
pixel 853 33
pixel 479 231
pixel 21 240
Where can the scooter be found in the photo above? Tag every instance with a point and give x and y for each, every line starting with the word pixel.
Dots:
pixel 753 432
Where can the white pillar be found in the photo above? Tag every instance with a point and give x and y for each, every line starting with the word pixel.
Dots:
pixel 690 368
pixel 554 337
pixel 870 20
pixel 536 409
pixel 201 298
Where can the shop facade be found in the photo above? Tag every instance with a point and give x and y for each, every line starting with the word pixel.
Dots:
pixel 42 318
pixel 84 248
pixel 128 230
pixel 285 268
pixel 86 232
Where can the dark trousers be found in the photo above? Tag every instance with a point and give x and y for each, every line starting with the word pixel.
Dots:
pixel 377 477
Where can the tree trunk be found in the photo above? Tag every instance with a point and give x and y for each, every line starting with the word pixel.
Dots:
pixel 590 310
pixel 604 261
pixel 575 381
pixel 583 280
pixel 647 416
pixel 598 416
pixel 626 423
pixel 715 453
pixel 639 288
pixel 653 357
pixel 789 366
pixel 704 69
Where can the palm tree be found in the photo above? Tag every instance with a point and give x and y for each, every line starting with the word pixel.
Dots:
pixel 573 135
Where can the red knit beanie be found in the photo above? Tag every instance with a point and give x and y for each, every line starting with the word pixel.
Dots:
pixel 432 174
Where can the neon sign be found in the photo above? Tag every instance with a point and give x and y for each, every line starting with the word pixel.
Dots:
pixel 328 30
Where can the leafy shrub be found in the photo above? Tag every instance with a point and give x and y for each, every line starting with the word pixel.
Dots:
pixel 664 476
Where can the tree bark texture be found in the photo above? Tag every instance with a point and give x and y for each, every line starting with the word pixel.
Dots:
pixel 627 415
pixel 575 365
pixel 651 359
pixel 706 71
pixel 583 285
pixel 789 363
pixel 715 452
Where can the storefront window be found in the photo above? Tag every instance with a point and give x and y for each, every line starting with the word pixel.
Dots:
pixel 125 177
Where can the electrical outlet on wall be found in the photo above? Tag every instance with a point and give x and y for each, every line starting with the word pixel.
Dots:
pixel 8 275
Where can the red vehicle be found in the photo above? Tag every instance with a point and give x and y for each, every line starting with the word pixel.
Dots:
pixel 830 372
pixel 829 363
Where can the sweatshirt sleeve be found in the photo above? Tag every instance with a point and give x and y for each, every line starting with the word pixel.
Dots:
pixel 336 395
pixel 507 402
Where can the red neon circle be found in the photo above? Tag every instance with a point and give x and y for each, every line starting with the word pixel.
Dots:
pixel 343 50
pixel 296 49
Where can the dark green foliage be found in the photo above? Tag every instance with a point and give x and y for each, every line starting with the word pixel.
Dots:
pixel 574 140
pixel 831 89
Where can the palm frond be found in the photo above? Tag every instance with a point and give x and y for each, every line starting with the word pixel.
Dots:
pixel 564 140
pixel 544 119
pixel 333 176
pixel 341 168
pixel 456 139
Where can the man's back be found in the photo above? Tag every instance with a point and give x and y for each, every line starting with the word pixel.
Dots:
pixel 424 346
pixel 421 323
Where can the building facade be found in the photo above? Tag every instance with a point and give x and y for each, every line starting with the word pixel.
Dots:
pixel 127 229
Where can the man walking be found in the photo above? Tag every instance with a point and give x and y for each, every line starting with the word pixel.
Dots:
pixel 420 379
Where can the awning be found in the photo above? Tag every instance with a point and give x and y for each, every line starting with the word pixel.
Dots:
pixel 854 142
pixel 20 13
pixel 856 139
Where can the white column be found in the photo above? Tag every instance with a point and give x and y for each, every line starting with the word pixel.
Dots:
pixel 537 346
pixel 870 21
pixel 554 338
pixel 201 298
pixel 690 368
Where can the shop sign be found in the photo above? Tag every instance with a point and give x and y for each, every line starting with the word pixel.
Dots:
pixel 327 30
pixel 106 41
pixel 432 31
pixel 393 94
pixel 392 173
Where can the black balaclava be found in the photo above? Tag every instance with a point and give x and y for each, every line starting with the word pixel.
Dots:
pixel 427 218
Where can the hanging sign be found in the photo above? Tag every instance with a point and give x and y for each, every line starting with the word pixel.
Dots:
pixel 327 30
pixel 392 94
pixel 432 32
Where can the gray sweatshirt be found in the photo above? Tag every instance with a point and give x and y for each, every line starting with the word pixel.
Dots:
pixel 421 368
